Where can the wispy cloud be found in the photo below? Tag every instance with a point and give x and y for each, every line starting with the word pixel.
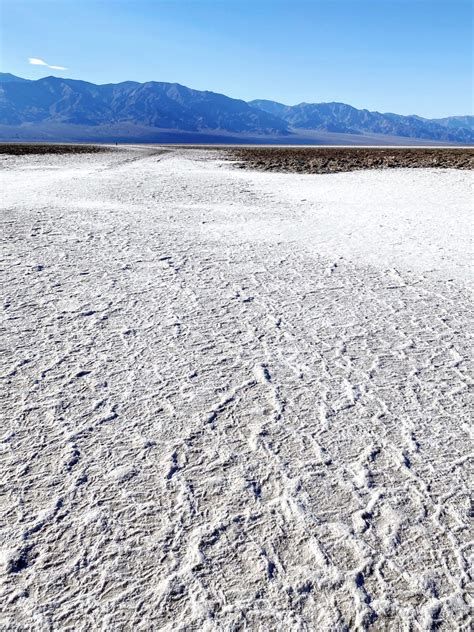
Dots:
pixel 34 61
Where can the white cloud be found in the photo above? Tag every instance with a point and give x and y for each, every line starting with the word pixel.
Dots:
pixel 37 62
pixel 34 61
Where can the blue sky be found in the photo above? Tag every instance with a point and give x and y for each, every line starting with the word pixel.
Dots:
pixel 404 56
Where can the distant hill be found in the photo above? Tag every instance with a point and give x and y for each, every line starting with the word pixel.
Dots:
pixel 7 77
pixel 65 109
pixel 342 118
pixel 456 122
pixel 152 104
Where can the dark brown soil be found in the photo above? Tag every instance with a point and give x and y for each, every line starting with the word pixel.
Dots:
pixel 335 159
pixel 23 149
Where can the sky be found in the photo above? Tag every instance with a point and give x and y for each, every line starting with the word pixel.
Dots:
pixel 403 56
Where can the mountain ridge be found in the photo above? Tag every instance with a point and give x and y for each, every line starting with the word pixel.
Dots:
pixel 63 107
pixel 354 121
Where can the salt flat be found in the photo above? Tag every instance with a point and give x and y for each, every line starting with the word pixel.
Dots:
pixel 233 400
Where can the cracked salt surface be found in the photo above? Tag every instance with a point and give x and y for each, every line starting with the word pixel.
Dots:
pixel 233 400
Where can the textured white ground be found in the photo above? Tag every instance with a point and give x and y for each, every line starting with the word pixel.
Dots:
pixel 233 400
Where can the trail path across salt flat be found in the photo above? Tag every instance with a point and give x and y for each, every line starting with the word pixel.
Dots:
pixel 233 400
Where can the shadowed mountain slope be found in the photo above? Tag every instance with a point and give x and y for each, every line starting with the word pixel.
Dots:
pixel 342 118
pixel 152 104
pixel 59 109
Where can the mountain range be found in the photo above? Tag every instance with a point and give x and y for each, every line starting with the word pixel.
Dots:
pixel 59 109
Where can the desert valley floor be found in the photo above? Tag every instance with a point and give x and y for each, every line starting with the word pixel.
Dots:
pixel 233 400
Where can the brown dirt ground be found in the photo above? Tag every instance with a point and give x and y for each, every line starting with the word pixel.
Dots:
pixel 22 149
pixel 335 159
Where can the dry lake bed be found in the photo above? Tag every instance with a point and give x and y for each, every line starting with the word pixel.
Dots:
pixel 233 399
